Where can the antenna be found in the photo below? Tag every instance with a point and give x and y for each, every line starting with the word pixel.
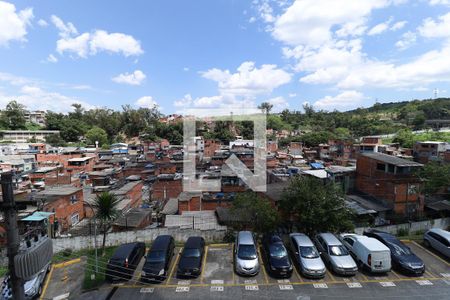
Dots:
pixel 436 92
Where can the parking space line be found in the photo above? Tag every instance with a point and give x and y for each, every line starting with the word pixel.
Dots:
pixel 331 275
pixel 297 274
pixel 174 265
pixel 47 281
pixel 261 261
pixel 431 253
pixel 395 274
pixel 204 264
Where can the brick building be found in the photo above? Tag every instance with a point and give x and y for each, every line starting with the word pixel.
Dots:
pixel 424 152
pixel 66 201
pixel 391 180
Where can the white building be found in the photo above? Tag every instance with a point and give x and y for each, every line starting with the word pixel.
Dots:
pixel 22 136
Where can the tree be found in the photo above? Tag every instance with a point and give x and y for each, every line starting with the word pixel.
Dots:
pixel 266 107
pixel 316 207
pixel 256 211
pixel 105 205
pixel 96 134
pixel 55 140
pixel 405 137
pixel 436 177
pixel 13 117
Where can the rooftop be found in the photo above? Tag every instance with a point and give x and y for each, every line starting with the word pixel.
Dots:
pixel 59 190
pixel 393 160
pixel 133 217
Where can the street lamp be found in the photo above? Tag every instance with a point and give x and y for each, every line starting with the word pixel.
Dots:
pixel 95 236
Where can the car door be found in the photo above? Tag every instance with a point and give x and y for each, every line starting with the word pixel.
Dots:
pixel 294 251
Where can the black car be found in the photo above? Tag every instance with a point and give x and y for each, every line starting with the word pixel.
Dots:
pixel 124 261
pixel 276 256
pixel 158 259
pixel 403 259
pixel 190 264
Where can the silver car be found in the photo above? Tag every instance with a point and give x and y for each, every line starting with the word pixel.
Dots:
pixel 335 254
pixel 439 240
pixel 245 254
pixel 32 287
pixel 306 256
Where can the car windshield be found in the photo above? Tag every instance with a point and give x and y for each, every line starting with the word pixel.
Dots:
pixel 398 249
pixel 247 252
pixel 337 250
pixel 156 256
pixel 191 252
pixel 277 250
pixel 309 252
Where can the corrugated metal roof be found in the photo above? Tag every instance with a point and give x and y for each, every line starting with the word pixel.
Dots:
pixel 389 159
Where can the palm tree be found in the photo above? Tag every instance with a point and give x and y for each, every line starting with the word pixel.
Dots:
pixel 105 205
pixel 266 107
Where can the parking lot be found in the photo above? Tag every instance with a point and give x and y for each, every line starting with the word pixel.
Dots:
pixel 218 280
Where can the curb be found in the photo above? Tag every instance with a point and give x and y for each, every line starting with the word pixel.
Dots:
pixel 67 263
pixel 220 245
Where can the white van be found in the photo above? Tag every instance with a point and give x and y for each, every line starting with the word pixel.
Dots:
pixel 368 252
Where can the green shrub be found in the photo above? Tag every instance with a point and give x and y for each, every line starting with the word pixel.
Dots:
pixel 402 232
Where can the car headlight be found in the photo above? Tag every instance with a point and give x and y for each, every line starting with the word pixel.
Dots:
pixel 272 268
pixel 161 272
pixel 143 273
pixel 290 267
pixel 195 269
pixel 31 291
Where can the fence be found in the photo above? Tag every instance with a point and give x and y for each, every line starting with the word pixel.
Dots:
pixel 411 227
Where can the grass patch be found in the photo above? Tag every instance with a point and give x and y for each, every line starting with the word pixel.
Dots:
pixel 89 283
pixel 3 271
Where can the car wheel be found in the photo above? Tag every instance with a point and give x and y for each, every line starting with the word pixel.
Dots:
pixel 40 290
pixel 426 243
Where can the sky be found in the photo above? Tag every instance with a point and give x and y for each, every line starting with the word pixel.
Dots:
pixel 332 54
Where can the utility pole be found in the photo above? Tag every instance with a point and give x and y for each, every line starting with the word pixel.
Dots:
pixel 8 207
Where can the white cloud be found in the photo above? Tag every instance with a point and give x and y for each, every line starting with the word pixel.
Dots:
pixel 115 42
pixel 398 25
pixel 36 98
pixel 183 102
pixel 135 78
pixel 436 29
pixel 408 39
pixel 439 2
pixel 379 28
pixel 78 45
pixel 248 80
pixel 279 103
pixel 51 58
pixel 13 25
pixel 42 23
pixel 185 69
pixel 65 30
pixel 292 95
pixel 344 100
pixel 92 43
pixel 310 22
pixel 146 102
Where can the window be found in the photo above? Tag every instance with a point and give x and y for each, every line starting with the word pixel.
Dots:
pixel 73 199
pixel 391 168
pixel 75 219
pixel 349 240
pixel 381 167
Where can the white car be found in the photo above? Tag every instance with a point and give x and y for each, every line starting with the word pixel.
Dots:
pixel 368 252
pixel 438 239
pixel 32 287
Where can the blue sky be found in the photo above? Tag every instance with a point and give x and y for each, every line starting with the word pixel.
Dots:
pixel 333 54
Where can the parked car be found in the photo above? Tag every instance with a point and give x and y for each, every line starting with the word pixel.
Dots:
pixel 306 255
pixel 402 258
pixel 438 239
pixel 124 261
pixel 190 264
pixel 276 256
pixel 245 254
pixel 335 254
pixel 32 287
pixel 158 259
pixel 369 253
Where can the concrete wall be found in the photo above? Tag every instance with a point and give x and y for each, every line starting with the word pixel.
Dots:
pixel 412 227
pixel 147 235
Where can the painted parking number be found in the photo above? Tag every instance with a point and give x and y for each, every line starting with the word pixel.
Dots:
pixel 181 289
pixel 251 288
pixel 286 287
pixel 147 290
